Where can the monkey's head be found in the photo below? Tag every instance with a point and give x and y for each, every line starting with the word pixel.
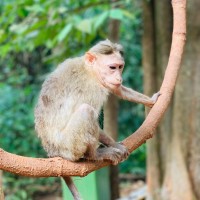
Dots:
pixel 106 62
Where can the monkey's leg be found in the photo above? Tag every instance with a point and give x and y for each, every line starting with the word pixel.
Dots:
pixel 81 138
pixel 80 134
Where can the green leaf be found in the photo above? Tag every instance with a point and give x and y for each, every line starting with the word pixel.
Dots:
pixel 100 19
pixel 32 34
pixel 85 25
pixel 64 32
pixel 2 35
pixel 18 28
pixel 128 14
pixel 35 8
pixel 36 24
pixel 4 49
pixel 116 14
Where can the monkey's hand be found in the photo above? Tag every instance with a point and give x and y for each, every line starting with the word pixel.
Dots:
pixel 155 96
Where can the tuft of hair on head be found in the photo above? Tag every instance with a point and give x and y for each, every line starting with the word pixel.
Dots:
pixel 107 47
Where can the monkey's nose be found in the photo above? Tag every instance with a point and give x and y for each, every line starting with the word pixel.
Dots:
pixel 119 79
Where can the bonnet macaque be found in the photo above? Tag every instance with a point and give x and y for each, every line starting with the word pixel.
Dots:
pixel 66 116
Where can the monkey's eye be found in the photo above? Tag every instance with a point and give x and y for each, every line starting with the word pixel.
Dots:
pixel 112 67
pixel 107 52
pixel 121 67
pixel 122 53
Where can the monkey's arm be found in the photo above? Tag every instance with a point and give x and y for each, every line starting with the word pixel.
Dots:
pixel 133 96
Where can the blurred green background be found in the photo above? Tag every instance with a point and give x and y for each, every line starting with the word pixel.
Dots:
pixel 36 35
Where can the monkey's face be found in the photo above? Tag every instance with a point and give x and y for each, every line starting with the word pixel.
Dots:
pixel 108 69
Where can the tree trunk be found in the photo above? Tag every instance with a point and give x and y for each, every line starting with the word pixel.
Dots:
pixel 150 86
pixel 1 186
pixel 111 116
pixel 111 128
pixel 173 161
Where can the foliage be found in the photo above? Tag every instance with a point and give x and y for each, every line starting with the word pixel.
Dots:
pixel 35 35
pixel 52 24
pixel 17 119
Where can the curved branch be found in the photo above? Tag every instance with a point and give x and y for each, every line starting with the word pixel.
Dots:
pixel 38 167
pixel 167 88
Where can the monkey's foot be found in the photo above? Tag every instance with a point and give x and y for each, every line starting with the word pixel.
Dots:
pixel 124 151
pixel 112 154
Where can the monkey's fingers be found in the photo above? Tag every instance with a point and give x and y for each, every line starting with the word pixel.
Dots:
pixel 121 155
pixel 124 153
pixel 155 96
pixel 116 156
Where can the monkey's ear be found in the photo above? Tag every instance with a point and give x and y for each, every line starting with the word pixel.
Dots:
pixel 89 58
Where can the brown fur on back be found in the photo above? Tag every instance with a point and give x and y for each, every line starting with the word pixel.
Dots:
pixel 69 86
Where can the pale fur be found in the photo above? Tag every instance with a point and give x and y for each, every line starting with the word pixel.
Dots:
pixel 64 91
pixel 107 47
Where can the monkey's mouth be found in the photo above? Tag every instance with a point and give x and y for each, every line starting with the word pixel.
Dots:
pixel 117 84
pixel 114 85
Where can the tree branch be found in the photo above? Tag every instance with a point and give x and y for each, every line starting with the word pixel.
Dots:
pixel 38 167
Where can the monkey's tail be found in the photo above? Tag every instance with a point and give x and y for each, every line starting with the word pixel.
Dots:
pixel 68 180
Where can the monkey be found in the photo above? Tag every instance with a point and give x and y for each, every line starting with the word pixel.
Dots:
pixel 71 98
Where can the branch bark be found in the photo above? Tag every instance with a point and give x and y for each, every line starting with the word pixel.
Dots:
pixel 38 167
